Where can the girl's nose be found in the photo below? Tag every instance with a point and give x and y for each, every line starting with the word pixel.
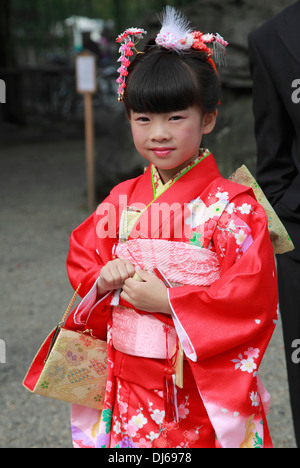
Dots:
pixel 159 132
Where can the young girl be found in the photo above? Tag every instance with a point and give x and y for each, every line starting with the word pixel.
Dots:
pixel 176 268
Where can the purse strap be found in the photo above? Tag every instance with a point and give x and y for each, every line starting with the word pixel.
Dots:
pixel 69 306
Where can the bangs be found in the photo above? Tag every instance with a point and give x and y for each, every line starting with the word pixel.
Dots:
pixel 163 83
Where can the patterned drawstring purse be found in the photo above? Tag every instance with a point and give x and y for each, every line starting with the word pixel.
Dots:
pixel 70 366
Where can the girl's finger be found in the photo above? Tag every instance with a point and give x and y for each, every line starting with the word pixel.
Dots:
pixel 130 268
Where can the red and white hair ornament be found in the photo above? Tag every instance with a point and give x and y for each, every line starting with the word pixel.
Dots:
pixel 128 40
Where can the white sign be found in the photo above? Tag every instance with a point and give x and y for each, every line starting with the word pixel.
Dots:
pixel 86 74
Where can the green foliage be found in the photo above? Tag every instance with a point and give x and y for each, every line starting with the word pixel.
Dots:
pixel 36 16
pixel 32 23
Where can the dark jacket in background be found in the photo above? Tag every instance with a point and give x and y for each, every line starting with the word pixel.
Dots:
pixel 274 51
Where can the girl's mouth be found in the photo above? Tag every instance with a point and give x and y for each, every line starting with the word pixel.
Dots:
pixel 162 152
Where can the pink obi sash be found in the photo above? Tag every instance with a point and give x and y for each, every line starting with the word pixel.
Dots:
pixel 141 335
pixel 181 263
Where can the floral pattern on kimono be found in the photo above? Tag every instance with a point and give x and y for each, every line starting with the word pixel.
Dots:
pixel 203 219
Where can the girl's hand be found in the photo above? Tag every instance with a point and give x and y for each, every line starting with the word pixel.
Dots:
pixel 113 275
pixel 149 295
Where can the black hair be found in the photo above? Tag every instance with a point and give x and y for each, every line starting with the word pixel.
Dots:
pixel 162 80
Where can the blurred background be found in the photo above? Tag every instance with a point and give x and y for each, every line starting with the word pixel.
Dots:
pixel 43 188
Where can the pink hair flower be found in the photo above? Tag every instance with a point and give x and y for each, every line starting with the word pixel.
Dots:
pixel 125 61
pixel 221 40
pixel 121 37
pixel 128 52
pixel 138 32
pixel 123 71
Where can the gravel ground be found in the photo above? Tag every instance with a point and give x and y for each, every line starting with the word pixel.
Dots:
pixel 42 200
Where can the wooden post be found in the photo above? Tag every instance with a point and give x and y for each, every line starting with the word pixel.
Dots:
pixel 86 85
pixel 90 151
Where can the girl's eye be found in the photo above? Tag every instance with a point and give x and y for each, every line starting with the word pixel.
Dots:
pixel 143 119
pixel 176 117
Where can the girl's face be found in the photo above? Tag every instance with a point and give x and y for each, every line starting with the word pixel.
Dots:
pixel 170 140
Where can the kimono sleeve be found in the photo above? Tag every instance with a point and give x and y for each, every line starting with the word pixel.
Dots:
pixel 91 246
pixel 243 302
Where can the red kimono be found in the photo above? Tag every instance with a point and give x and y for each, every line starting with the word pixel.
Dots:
pixel 210 239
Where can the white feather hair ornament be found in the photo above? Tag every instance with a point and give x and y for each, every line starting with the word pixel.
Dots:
pixel 175 32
